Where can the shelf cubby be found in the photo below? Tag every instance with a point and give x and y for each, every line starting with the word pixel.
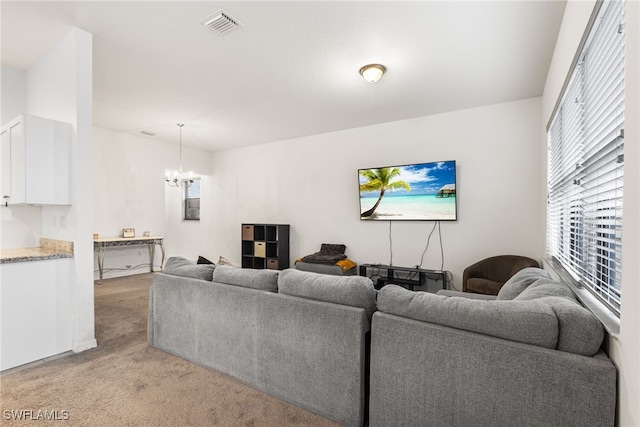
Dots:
pixel 265 246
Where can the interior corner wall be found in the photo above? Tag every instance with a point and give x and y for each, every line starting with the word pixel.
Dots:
pixel 59 87
pixel 130 192
pixel 20 226
pixel 624 349
pixel 311 183
pixel 14 93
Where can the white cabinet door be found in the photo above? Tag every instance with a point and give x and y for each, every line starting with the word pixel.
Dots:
pixel 13 173
pixel 35 321
pixel 5 164
pixel 18 189
pixel 36 161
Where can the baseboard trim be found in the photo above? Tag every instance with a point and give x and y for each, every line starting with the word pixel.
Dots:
pixel 83 346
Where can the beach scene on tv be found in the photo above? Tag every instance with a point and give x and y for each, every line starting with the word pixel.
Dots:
pixel 425 191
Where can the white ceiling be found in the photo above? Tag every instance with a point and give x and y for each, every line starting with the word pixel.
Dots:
pixel 291 70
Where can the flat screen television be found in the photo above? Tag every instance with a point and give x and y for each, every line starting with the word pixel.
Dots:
pixel 415 192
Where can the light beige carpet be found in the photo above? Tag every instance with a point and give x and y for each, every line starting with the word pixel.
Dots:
pixel 124 382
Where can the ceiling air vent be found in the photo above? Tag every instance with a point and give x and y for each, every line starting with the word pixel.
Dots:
pixel 220 22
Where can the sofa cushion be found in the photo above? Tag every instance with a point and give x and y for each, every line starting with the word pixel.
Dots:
pixel 521 281
pixel 530 322
pixel 203 260
pixel 544 287
pixel 180 266
pixel 356 291
pixel 483 286
pixel 223 261
pixel 580 332
pixel 264 280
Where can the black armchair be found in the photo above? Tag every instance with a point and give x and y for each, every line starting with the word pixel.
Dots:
pixel 488 276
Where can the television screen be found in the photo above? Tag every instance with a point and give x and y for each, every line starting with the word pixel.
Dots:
pixel 422 191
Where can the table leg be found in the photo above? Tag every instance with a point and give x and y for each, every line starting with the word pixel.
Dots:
pixel 100 262
pixel 162 249
pixel 152 252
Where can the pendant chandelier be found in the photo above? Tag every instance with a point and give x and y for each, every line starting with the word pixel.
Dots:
pixel 175 178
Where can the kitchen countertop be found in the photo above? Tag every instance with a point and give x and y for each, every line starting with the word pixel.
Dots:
pixel 48 249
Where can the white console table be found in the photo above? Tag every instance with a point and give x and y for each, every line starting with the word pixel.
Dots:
pixel 122 242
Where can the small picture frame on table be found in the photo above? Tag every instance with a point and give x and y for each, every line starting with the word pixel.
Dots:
pixel 128 232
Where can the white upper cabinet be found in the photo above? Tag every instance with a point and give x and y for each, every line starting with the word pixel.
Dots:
pixel 35 161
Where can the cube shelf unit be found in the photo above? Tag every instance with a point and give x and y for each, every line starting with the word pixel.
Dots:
pixel 265 246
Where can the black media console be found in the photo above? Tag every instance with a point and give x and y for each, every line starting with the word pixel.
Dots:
pixel 404 276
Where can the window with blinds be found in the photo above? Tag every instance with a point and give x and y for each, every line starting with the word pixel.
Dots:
pixel 191 201
pixel 586 159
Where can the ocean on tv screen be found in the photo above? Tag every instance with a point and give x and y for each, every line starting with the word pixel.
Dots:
pixel 425 207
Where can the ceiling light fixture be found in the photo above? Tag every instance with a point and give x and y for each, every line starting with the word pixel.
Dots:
pixel 372 72
pixel 176 178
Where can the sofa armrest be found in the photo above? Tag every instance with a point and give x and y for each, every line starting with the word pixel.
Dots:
pixel 474 270
pixel 427 374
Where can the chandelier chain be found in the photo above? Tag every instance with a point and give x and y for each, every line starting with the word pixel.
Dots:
pixel 181 125
pixel 177 178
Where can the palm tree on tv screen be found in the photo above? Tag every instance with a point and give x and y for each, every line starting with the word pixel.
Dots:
pixel 380 180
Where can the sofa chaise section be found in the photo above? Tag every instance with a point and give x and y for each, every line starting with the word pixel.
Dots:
pixel 531 358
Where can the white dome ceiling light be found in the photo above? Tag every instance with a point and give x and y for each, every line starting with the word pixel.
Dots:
pixel 372 72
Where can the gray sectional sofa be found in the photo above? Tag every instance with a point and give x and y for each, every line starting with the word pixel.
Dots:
pixel 529 356
pixel 296 335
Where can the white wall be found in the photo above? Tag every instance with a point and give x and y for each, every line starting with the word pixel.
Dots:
pixel 312 184
pixel 20 226
pixel 191 239
pixel 625 349
pixel 14 93
pixel 130 192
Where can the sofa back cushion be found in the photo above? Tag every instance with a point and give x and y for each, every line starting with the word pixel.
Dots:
pixel 355 291
pixel 179 266
pixel 530 322
pixel 521 281
pixel 580 331
pixel 264 280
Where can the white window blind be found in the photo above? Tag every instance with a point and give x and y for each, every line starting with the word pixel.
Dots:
pixel 585 161
pixel 192 188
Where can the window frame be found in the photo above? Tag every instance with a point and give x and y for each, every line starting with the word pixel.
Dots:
pixel 576 229
pixel 188 202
